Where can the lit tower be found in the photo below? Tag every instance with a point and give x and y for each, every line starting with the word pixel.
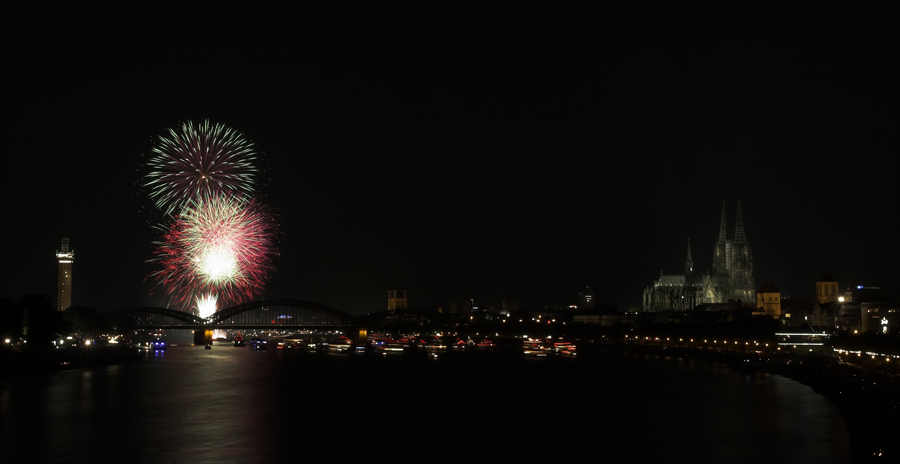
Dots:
pixel 397 298
pixel 826 289
pixel 65 258
pixel 741 275
pixel 722 252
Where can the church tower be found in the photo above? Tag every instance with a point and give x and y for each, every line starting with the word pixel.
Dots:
pixel 826 289
pixel 64 279
pixel 741 274
pixel 689 263
pixel 721 250
pixel 731 277
pixel 397 298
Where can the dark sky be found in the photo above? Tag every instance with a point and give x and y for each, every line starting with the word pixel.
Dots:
pixel 475 152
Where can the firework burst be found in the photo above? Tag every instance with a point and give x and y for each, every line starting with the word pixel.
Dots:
pixel 189 163
pixel 206 305
pixel 219 245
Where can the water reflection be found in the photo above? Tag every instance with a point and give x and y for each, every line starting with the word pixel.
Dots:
pixel 195 405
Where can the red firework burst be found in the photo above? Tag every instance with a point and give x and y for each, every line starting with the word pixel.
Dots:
pixel 218 244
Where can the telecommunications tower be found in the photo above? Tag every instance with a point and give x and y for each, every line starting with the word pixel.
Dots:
pixel 64 292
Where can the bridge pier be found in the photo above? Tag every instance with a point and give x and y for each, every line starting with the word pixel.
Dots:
pixel 361 336
pixel 203 336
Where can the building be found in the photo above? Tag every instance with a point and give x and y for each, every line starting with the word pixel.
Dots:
pixel 730 279
pixel 586 296
pixel 65 258
pixel 826 289
pixel 768 300
pixel 396 300
pixel 879 316
pixel 858 309
pixel 859 293
pixel 795 312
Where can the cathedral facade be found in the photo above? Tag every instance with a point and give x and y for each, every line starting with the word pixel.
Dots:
pixel 730 279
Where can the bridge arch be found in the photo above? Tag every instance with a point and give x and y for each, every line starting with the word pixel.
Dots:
pixel 278 312
pixel 151 315
pixel 272 313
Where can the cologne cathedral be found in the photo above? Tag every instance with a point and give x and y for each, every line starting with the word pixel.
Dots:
pixel 731 277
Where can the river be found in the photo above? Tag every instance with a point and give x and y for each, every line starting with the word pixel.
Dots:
pixel 229 404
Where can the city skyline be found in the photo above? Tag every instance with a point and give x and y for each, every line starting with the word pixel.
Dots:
pixel 476 153
pixel 567 293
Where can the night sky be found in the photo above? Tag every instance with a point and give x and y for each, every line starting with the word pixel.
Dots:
pixel 504 149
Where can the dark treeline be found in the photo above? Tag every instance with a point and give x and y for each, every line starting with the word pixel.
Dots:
pixel 30 327
pixel 34 319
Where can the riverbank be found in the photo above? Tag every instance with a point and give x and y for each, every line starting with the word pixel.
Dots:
pixel 61 359
pixel 869 400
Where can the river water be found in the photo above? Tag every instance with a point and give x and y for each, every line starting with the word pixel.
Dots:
pixel 239 405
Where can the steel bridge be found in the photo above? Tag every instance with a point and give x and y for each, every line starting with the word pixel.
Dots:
pixel 270 314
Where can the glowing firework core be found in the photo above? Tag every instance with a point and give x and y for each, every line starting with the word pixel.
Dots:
pixel 220 245
pixel 206 305
pixel 218 262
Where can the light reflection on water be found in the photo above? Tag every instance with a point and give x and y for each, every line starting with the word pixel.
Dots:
pixel 196 405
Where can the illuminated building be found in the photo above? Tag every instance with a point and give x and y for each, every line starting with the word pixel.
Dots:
pixel 396 300
pixel 731 277
pixel 878 313
pixel 864 309
pixel 65 257
pixel 857 310
pixel 733 263
pixel 586 297
pixel 880 316
pixel 826 289
pixel 768 299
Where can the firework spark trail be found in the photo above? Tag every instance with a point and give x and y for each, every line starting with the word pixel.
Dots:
pixel 191 163
pixel 219 244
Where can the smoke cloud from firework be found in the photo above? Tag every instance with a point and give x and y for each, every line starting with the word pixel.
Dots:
pixel 217 238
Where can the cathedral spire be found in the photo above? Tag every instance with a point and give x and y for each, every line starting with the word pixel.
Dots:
pixel 722 233
pixel 689 263
pixel 739 235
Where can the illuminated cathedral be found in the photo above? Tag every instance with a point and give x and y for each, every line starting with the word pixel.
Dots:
pixel 731 277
